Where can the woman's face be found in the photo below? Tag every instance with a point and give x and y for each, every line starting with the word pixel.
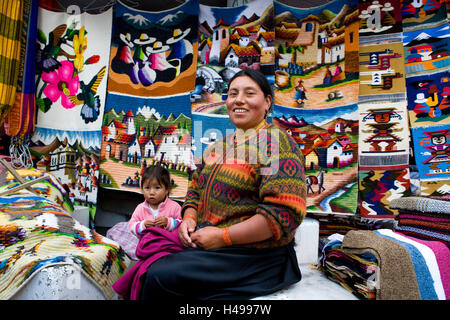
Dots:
pixel 246 103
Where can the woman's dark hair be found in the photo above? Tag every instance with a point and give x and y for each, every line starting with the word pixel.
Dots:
pixel 159 173
pixel 258 77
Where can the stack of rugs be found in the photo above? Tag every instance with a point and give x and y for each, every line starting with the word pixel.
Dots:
pixel 387 265
pixel 423 218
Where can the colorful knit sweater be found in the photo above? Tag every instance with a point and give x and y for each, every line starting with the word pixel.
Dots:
pixel 239 177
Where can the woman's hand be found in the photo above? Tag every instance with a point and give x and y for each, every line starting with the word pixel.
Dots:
pixel 208 238
pixel 184 232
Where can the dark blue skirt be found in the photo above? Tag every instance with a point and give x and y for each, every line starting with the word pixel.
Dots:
pixel 227 273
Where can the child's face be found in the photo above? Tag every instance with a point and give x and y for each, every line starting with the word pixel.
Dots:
pixel 154 192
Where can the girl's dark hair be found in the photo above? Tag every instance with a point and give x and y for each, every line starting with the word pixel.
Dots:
pixel 158 172
pixel 256 76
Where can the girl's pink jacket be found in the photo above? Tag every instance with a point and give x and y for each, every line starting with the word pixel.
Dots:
pixel 168 208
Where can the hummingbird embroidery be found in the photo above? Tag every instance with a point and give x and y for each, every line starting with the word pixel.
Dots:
pixel 87 97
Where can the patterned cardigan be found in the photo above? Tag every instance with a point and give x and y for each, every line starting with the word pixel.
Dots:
pixel 242 175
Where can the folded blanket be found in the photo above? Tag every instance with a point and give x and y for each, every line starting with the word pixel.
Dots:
pixel 441 227
pixel 421 204
pixel 423 217
pixel 397 273
pixel 424 234
pixel 154 244
pixel 425 266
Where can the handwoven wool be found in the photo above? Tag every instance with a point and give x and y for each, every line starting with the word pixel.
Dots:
pixel 379 18
pixel 431 149
pixel 11 24
pixel 397 274
pixel 383 135
pixel 416 14
pixel 377 188
pixel 72 63
pixel 38 231
pixel 317 55
pixel 382 71
pixel 328 139
pixel 147 116
pixel 426 49
pixel 428 102
pixel 21 117
pixel 316 95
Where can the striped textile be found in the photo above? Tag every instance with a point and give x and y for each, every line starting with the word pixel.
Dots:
pixel 21 117
pixel 10 52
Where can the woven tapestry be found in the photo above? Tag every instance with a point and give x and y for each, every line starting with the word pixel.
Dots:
pixel 428 98
pixel 383 135
pixel 147 116
pixel 417 14
pixel 231 39
pixel 329 141
pixel 72 61
pixel 379 187
pixel 427 49
pixel 316 95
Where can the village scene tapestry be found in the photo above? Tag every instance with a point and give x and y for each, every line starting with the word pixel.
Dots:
pixel 72 63
pixel 147 117
pixel 316 96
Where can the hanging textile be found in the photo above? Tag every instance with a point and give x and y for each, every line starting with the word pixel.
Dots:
pixel 316 96
pixel 70 96
pixel 11 23
pixel 426 46
pixel 231 38
pixel 20 119
pixel 147 116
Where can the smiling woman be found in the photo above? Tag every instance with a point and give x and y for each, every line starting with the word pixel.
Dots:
pixel 242 208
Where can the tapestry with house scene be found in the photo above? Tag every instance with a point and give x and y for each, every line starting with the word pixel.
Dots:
pixel 230 39
pixel 147 116
pixel 316 95
pixel 72 62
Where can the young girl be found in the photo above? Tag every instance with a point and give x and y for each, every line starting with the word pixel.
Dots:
pixel 157 210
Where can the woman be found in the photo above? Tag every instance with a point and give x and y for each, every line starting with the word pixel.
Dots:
pixel 242 208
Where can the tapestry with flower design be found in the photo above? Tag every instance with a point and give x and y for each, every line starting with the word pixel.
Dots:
pixel 316 96
pixel 71 68
pixel 147 117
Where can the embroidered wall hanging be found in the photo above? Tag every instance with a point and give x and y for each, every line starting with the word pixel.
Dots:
pixel 379 18
pixel 316 95
pixel 329 141
pixel 383 135
pixel 231 38
pixel 428 98
pixel 417 14
pixel 382 71
pixel 379 187
pixel 70 97
pixel 317 55
pixel 426 49
pixel 148 112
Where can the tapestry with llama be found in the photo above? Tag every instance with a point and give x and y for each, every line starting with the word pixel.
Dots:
pixel 72 63
pixel 147 117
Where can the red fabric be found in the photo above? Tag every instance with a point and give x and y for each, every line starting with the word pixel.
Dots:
pixel 155 243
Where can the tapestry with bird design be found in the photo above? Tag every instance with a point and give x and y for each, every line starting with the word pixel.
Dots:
pixel 147 118
pixel 71 68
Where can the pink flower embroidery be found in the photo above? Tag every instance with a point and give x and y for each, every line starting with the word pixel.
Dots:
pixel 61 83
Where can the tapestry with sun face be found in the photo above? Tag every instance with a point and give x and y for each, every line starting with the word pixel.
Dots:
pixel 147 117
pixel 72 63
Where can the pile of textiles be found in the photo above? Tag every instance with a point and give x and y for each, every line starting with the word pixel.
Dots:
pixel 423 218
pixel 387 265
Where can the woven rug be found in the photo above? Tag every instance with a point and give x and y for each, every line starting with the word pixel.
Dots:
pixel 38 231
pixel 147 116
pixel 316 95
pixel 70 97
